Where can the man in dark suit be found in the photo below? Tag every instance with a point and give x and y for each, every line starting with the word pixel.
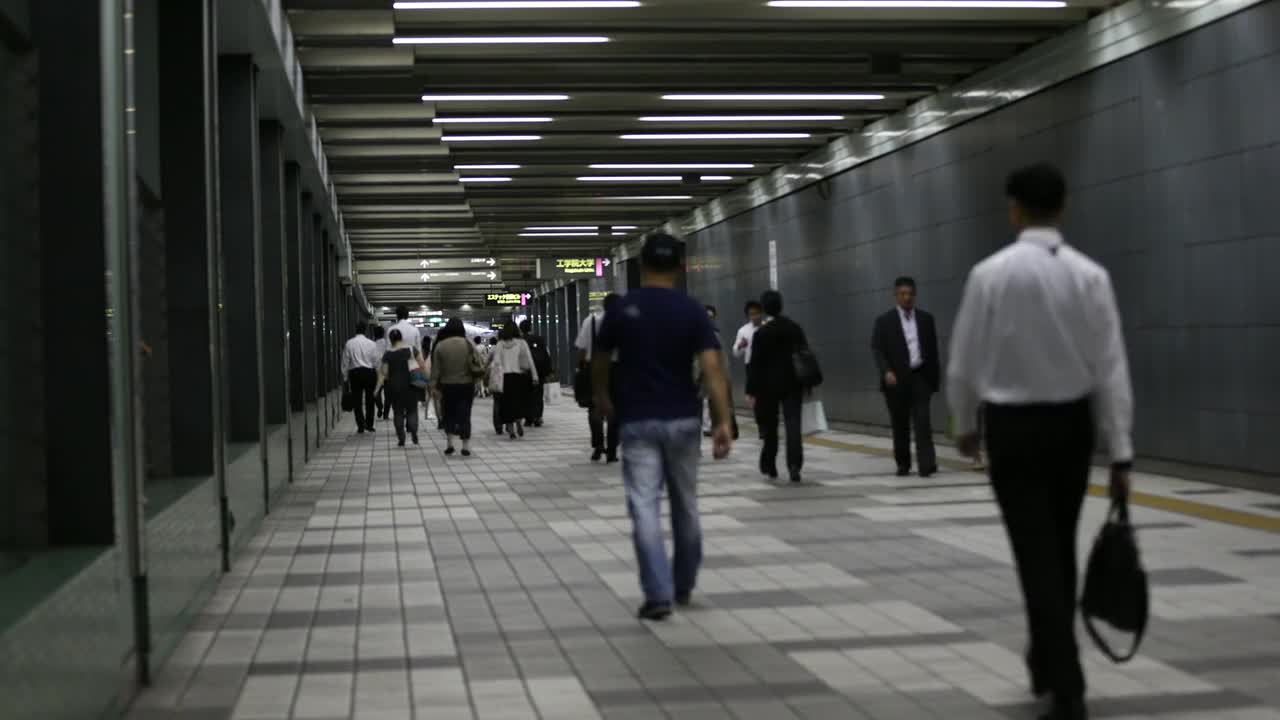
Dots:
pixel 905 344
pixel 772 384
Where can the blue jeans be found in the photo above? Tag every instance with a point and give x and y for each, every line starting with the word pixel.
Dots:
pixel 658 454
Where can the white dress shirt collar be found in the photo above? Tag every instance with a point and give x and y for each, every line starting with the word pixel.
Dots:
pixel 1049 238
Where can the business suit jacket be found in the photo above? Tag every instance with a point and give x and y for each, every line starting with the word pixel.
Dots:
pixel 889 345
pixel 772 372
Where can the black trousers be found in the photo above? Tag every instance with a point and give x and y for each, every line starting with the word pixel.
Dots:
pixel 497 414
pixel 909 409
pixel 537 405
pixel 404 403
pixel 1039 457
pixel 596 421
pixel 767 410
pixel 455 408
pixel 363 381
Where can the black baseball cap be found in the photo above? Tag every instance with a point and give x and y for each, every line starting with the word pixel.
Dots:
pixel 662 252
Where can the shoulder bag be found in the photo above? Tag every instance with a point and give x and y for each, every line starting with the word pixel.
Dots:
pixel 1115 584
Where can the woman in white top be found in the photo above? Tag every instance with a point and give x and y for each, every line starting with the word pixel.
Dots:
pixel 513 362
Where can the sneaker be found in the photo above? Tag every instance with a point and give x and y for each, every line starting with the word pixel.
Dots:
pixel 449 450
pixel 466 452
pixel 654 611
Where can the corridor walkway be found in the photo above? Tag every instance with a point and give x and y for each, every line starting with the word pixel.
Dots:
pixel 401 584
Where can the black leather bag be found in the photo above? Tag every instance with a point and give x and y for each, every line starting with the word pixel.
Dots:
pixel 348 398
pixel 1115 584
pixel 808 371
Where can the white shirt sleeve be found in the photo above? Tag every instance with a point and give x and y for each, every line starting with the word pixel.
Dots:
pixel 584 335
pixel 744 333
pixel 967 341
pixel 348 361
pixel 1113 397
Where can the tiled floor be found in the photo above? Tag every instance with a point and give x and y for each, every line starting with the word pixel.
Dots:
pixel 401 584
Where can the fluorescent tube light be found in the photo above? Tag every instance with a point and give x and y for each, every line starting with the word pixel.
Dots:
pixel 740 118
pixel 715 178
pixel 494 98
pixel 511 40
pixel 937 4
pixel 717 136
pixel 484 179
pixel 558 234
pixel 631 178
pixel 514 4
pixel 779 97
pixel 650 197
pixel 672 166
pixel 486 167
pixel 489 120
pixel 490 138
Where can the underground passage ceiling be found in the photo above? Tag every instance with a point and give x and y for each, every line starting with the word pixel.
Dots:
pixel 467 139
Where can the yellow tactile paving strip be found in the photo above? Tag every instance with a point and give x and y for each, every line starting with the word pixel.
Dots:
pixel 1203 511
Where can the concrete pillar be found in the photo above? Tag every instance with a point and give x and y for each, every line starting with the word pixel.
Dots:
pixel 310 332
pixel 193 262
pixel 241 243
pixel 77 409
pixel 275 304
pixel 293 215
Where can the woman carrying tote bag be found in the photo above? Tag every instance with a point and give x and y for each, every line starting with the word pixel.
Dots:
pixel 513 363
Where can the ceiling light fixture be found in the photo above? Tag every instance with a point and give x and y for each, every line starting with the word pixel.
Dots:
pixel 489 120
pixel 630 178
pixel 490 138
pixel 716 136
pixel 484 179
pixel 625 227
pixel 740 118
pixel 999 4
pixel 510 40
pixel 775 97
pixel 494 98
pixel 558 234
pixel 515 4
pixel 715 178
pixel 650 197
pixel 672 166
pixel 561 227
pixel 486 167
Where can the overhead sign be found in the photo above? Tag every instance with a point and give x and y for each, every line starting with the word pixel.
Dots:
pixel 597 295
pixel 508 298
pixel 368 267
pixel 432 276
pixel 572 268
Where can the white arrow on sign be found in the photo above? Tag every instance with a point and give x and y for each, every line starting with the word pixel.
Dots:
pixel 425 276
pixel 492 275
pixel 607 262
pixel 424 263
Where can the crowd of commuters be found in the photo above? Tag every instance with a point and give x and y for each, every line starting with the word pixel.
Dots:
pixel 1037 359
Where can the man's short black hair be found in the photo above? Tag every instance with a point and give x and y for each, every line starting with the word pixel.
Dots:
pixel 752 305
pixel 1040 190
pixel 771 301
pixel 905 281
pixel 526 327
pixel 402 312
pixel 479 340
pixel 611 301
pixel 362 329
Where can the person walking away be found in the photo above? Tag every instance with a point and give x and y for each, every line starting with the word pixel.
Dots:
pixel 772 387
pixel 453 377
pixel 602 445
pixel 482 352
pixel 408 331
pixel 379 398
pixel 403 396
pixel 493 381
pixel 542 368
pixel 1039 344
pixel 424 396
pixel 515 363
pixel 360 360
pixel 905 345
pixel 658 332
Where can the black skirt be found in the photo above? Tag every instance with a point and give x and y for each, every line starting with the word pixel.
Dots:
pixel 514 405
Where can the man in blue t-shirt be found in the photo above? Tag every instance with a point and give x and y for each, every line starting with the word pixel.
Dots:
pixel 659 334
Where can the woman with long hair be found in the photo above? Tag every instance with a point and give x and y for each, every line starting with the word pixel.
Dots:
pixel 514 363
pixel 453 374
pixel 393 375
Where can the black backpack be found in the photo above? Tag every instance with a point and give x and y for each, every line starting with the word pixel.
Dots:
pixel 541 358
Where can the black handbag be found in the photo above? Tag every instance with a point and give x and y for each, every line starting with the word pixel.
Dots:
pixel 1115 584
pixel 348 398
pixel 808 372
pixel 582 387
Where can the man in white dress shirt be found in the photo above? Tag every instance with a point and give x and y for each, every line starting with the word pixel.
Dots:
pixel 1038 344
pixel 742 343
pixel 408 331
pixel 360 361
